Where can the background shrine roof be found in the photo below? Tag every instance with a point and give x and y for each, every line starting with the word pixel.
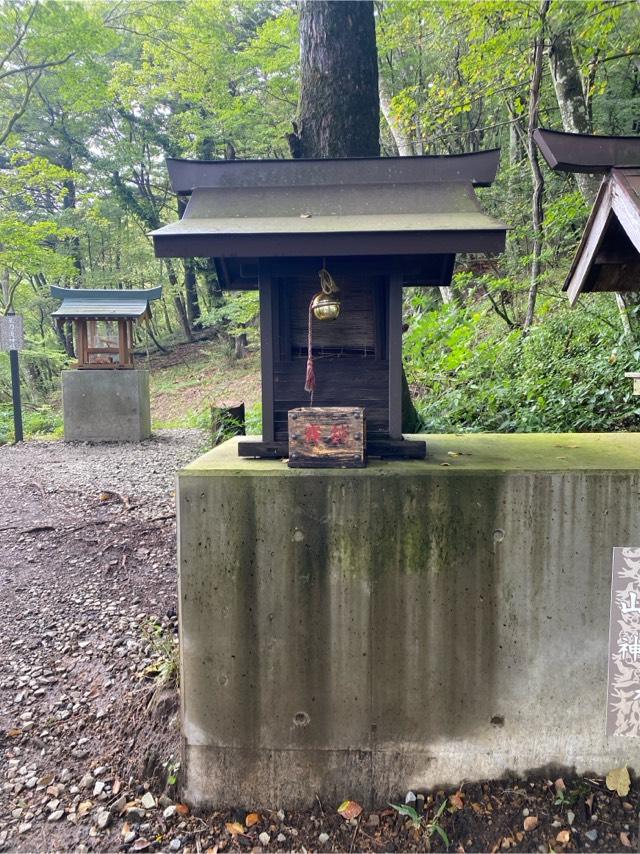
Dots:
pixel 102 303
pixel 608 257
pixel 321 207
pixel 575 152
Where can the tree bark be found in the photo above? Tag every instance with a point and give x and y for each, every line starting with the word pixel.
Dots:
pixel 537 212
pixel 402 139
pixel 569 90
pixel 339 112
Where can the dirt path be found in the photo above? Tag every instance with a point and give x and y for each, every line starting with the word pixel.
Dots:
pixel 88 602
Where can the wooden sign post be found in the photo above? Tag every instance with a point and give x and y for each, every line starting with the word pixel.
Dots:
pixel 623 695
pixel 12 341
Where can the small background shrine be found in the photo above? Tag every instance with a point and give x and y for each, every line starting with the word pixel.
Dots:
pixel 105 398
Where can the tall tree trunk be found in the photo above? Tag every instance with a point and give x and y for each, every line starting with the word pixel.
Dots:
pixel 339 113
pixel 190 281
pixel 537 212
pixel 569 90
pixel 402 139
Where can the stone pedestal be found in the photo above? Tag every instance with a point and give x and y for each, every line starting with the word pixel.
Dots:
pixel 106 406
pixel 359 633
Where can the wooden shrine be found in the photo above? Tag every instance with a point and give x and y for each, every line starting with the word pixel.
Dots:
pixel 103 323
pixel 608 257
pixel 353 233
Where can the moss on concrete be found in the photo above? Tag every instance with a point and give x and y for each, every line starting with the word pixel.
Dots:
pixel 471 452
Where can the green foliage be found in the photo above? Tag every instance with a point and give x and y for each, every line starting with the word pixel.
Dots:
pixel 431 826
pixel 566 375
pixel 239 311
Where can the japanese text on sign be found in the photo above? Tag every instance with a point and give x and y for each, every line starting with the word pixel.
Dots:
pixel 623 696
pixel 11 332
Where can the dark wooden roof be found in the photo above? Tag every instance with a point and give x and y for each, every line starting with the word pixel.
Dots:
pixel 608 257
pixel 106 304
pixel 575 152
pixel 478 169
pixel 301 208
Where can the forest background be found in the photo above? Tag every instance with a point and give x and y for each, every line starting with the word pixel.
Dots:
pixel 94 96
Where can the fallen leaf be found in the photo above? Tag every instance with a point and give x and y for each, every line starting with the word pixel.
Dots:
pixel 252 818
pixel 531 822
pixel 477 808
pixel 507 842
pixel 117 785
pixel 126 828
pixel 349 809
pixel 624 838
pixel 457 800
pixel 519 836
pixel 234 827
pixel 619 781
pixel 559 785
pixel 14 733
pixel 563 837
pixel 182 809
pixel 141 844
pixel 84 807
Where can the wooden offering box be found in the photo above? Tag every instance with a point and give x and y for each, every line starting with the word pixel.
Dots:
pixel 327 437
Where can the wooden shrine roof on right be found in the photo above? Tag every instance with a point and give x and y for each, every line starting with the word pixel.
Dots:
pixel 608 257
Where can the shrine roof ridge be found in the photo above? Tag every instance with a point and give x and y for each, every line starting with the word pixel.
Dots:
pixel 477 168
pixel 576 152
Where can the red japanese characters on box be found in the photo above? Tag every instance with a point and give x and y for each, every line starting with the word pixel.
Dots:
pixel 327 437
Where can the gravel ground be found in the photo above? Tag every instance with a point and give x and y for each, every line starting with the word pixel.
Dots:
pixel 89 728
pixel 87 563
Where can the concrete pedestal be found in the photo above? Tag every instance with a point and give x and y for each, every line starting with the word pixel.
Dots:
pixel 106 406
pixel 358 633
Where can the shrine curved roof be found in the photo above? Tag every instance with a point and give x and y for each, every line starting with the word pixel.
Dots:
pixel 112 303
pixel 373 206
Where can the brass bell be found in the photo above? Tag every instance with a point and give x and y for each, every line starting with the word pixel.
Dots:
pixel 326 306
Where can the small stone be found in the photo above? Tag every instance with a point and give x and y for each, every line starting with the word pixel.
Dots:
pixel 134 814
pixel 530 822
pixel 280 815
pixel 86 782
pixel 410 798
pixel 169 812
pixel 525 811
pixel 264 838
pixel 571 817
pixel 98 788
pixel 104 819
pixel 65 775
pixel 281 837
pixel 148 801
pixel 591 835
pixel 119 805
pixel 31 782
pixel 165 801
pixel 24 828
pixel 175 844
pixel 373 820
pixel 97 772
pixel 56 816
pixel 323 838
pixel 129 837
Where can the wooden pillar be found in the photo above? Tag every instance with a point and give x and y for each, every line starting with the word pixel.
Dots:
pixel 122 344
pixel 81 343
pixel 394 337
pixel 267 333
